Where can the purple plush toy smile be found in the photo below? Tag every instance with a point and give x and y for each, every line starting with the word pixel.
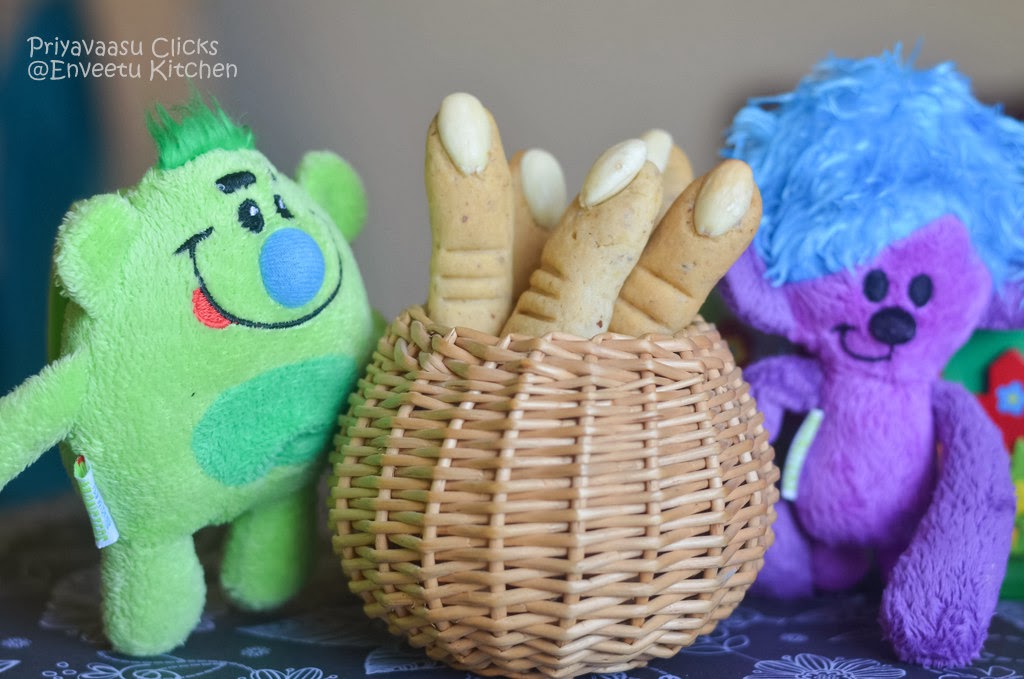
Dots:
pixel 892 228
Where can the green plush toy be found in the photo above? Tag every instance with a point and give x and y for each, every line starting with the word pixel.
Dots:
pixel 208 325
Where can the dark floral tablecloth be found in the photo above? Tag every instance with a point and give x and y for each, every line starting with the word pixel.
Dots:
pixel 49 627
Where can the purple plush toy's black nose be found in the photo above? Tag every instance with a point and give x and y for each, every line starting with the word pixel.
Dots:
pixel 892 326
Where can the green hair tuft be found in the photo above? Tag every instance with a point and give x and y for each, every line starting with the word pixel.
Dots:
pixel 201 127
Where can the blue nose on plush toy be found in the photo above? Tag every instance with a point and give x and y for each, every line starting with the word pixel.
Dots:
pixel 292 267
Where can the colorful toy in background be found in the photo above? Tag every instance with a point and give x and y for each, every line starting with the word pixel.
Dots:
pixel 991 366
pixel 1004 400
pixel 1004 403
pixel 891 230
pixel 1017 473
pixel 207 325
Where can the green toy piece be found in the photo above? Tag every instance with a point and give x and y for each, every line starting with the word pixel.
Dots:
pixel 207 326
pixel 1017 474
pixel 1013 584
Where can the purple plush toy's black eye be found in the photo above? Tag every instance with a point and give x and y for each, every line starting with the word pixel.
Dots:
pixel 876 285
pixel 921 289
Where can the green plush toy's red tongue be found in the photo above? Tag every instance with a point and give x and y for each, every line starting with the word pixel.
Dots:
pixel 206 313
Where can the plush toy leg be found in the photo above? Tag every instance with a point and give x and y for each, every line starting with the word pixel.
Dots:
pixel 269 552
pixel 787 563
pixel 943 590
pixel 153 595
pixel 839 568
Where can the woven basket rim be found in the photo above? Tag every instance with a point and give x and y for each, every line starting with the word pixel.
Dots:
pixel 419 312
pixel 700 335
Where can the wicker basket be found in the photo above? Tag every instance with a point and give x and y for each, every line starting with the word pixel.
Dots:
pixel 547 507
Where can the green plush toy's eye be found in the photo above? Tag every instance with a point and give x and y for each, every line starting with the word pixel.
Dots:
pixel 282 209
pixel 249 216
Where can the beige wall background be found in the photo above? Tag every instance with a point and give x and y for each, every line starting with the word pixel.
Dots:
pixel 365 78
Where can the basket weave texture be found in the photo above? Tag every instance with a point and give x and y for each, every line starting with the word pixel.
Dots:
pixel 547 507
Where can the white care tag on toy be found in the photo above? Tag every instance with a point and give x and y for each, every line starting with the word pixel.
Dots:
pixel 103 527
pixel 798 453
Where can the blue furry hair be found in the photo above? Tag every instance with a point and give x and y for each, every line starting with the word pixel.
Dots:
pixel 865 151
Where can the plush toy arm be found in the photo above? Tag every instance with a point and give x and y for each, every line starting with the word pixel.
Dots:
pixel 1006 309
pixel 753 299
pixel 943 590
pixel 336 187
pixel 39 413
pixel 782 383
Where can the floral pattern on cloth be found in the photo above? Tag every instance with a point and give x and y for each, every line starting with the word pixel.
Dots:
pixel 811 666
pixel 51 628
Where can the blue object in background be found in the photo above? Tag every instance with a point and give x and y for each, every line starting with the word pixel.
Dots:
pixel 49 158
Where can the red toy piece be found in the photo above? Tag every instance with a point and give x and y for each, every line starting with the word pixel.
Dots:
pixel 1004 401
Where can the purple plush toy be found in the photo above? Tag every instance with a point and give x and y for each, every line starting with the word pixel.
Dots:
pixel 893 227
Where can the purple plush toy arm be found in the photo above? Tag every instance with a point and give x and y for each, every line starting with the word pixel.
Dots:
pixel 1006 310
pixel 781 383
pixel 753 299
pixel 943 590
